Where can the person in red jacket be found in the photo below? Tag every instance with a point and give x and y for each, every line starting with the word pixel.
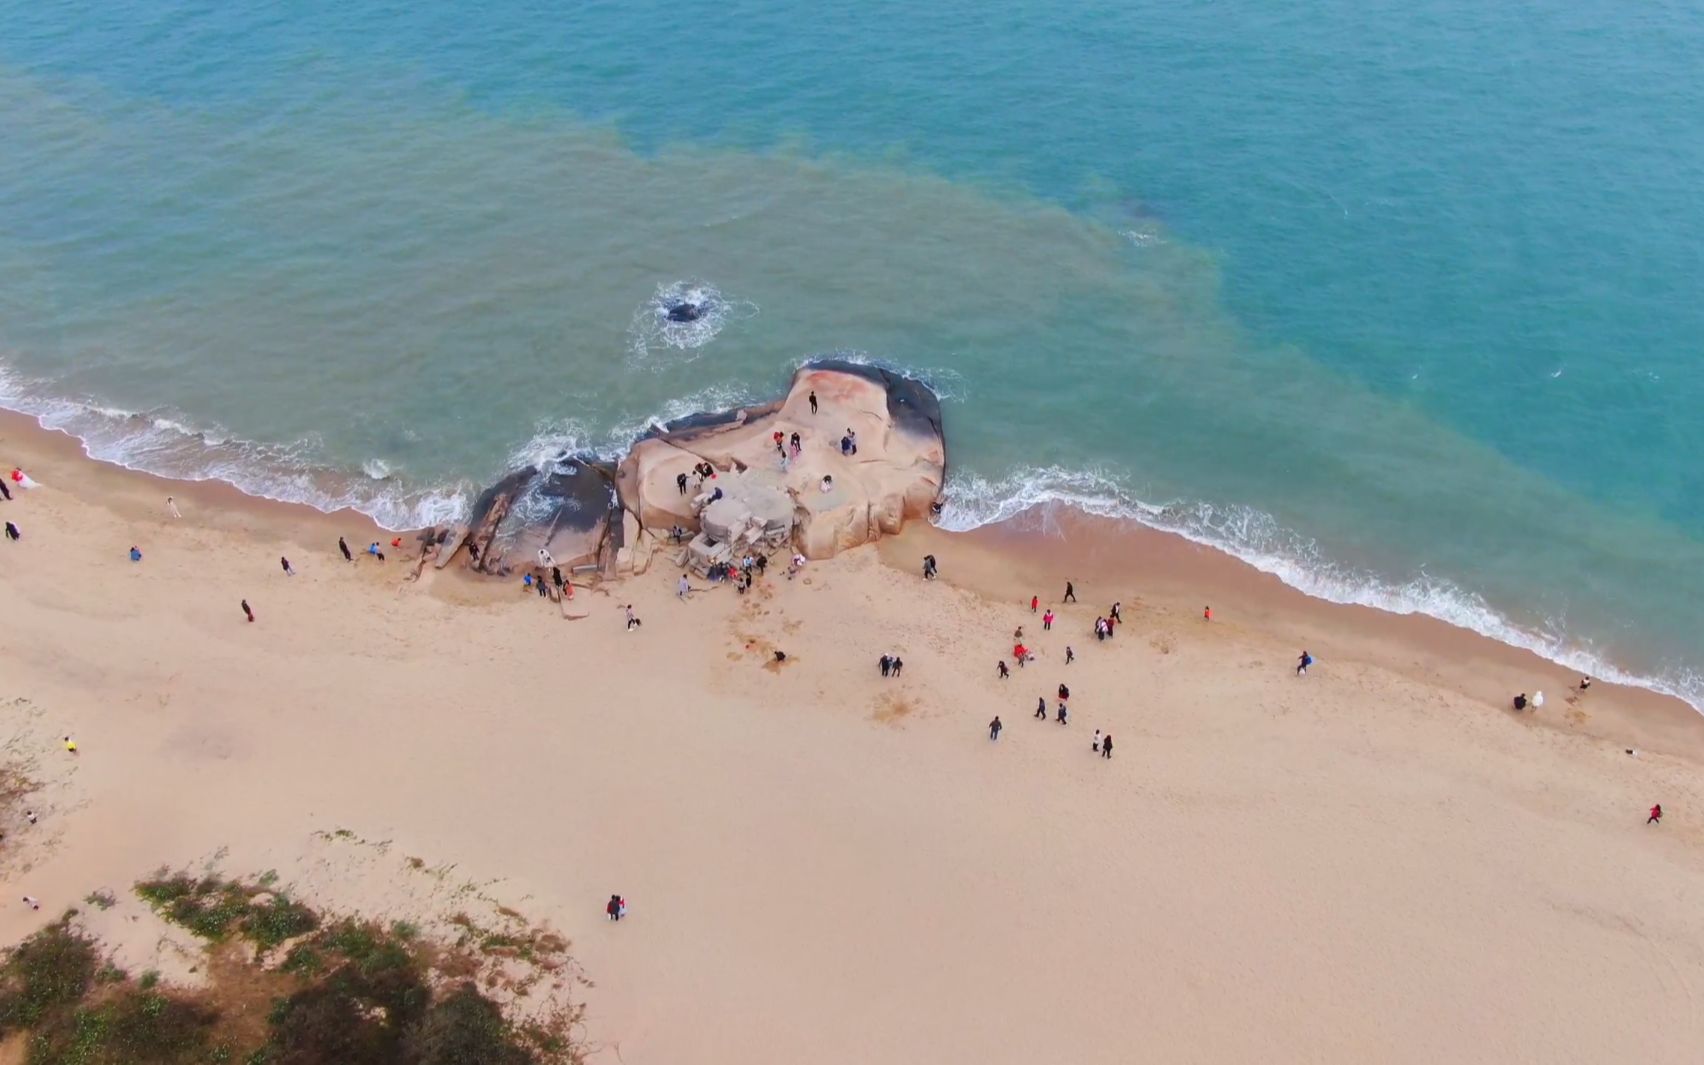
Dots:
pixel 1035 601
pixel 1656 817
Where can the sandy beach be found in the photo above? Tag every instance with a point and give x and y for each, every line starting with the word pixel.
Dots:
pixel 1378 862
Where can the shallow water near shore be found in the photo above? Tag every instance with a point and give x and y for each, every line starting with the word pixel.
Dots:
pixel 1390 301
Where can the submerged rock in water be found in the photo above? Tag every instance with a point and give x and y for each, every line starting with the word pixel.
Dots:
pixel 684 312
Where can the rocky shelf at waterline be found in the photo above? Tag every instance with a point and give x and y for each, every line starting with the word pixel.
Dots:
pixel 589 514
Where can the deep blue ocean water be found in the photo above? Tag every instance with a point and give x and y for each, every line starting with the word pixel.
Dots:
pixel 1395 300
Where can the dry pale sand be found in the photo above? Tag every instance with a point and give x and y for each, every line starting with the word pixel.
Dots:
pixel 1376 863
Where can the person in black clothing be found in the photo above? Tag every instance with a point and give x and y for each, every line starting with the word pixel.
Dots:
pixel 12 532
pixel 1070 655
pixel 284 564
pixel 1041 708
pixel 1062 713
pixel 1106 746
pixel 1064 693
pixel 813 403
pixel 887 664
pixel 1005 673
pixel 994 728
pixel 1117 618
pixel 680 482
pixel 247 612
pixel 897 665
pixel 5 492
pixel 1070 593
pixel 556 577
pixel 343 546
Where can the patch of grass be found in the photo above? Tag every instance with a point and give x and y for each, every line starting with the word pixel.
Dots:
pixel 214 909
pixel 101 900
pixel 350 991
pixel 47 972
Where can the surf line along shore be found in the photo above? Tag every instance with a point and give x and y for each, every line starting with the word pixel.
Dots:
pixel 849 454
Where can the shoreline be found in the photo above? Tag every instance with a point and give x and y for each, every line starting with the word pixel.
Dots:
pixel 1177 567
pixel 832 866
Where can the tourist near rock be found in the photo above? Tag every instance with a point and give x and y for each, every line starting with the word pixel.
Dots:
pixel 589 515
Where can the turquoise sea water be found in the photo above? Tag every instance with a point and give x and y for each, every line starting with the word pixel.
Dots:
pixel 1395 300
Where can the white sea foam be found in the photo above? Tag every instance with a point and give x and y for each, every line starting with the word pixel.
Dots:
pixel 1260 540
pixel 653 333
pixel 169 445
pixel 946 383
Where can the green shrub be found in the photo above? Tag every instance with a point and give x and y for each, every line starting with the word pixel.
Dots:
pixel 51 970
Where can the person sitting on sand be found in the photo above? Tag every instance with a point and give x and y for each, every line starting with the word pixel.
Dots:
pixel 22 479
pixel 373 549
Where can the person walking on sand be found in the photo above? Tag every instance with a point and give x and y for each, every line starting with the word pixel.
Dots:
pixel 5 493
pixel 613 908
pixel 1064 693
pixel 813 403
pixel 994 728
pixel 1303 663
pixel 1115 617
pixel 929 569
pixel 248 611
pixel 1094 744
pixel 12 532
pixel 1041 708
pixel 897 665
pixel 1005 674
pixel 1047 621
pixel 1656 817
pixel 1106 746
pixel 1206 613
pixel 887 664
pixel 1062 713
pixel 683 587
pixel 1070 593
pixel 1035 601
pixel 284 564
pixel 172 507
pixel 1070 655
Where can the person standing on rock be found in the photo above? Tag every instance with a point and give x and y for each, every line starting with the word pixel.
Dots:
pixel 813 403
pixel 796 445
pixel 680 482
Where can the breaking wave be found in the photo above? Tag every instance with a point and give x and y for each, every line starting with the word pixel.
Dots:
pixel 166 444
pixel 1263 542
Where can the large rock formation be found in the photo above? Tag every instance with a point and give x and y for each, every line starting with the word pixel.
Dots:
pixel 896 473
pixel 585 512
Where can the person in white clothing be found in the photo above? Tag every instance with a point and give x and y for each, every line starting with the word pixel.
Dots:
pixel 171 507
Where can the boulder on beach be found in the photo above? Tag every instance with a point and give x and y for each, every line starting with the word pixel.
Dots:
pixel 586 512
pixel 895 475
